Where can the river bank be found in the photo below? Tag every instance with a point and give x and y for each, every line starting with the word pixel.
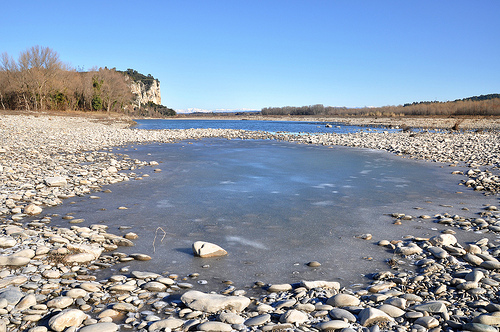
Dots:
pixel 408 122
pixel 48 269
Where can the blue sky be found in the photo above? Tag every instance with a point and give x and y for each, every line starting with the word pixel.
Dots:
pixel 252 54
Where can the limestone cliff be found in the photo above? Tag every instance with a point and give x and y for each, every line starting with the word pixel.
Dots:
pixel 146 92
pixel 145 88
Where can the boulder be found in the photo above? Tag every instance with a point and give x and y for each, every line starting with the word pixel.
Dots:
pixel 258 320
pixel 82 257
pixel 332 325
pixel 443 239
pixel 33 210
pixel 431 307
pixel 343 300
pixel 60 302
pixel 411 249
pixel 13 261
pixel 231 318
pixel 212 303
pixel 341 314
pixel 67 318
pixel 391 310
pixel 55 181
pixel 7 242
pixel 100 327
pixel 12 295
pixel 166 324
pixel 294 316
pixel 26 302
pixel 207 249
pixel 275 288
pixel 487 319
pixel 320 284
pixel 215 326
pixel 370 316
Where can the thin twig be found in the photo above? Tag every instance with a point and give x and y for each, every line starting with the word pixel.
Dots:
pixel 156 232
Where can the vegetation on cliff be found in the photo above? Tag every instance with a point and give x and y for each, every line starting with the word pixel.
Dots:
pixel 40 81
pixel 138 77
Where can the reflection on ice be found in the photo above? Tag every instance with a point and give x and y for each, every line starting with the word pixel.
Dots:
pixel 164 204
pixel 323 203
pixel 246 242
pixel 324 185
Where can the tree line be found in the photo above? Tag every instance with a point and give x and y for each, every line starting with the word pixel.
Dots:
pixel 484 105
pixel 40 81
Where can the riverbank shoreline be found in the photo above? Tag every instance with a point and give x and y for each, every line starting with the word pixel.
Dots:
pixel 433 122
pixel 47 159
pixel 470 123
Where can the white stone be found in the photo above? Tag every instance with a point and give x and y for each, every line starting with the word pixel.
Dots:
pixel 320 284
pixel 33 210
pixel 56 181
pixel 212 303
pixel 206 249
pixel 67 318
pixel 369 316
pixel 443 239
pixel 294 316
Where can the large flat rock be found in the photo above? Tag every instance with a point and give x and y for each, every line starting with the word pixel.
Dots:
pixel 212 303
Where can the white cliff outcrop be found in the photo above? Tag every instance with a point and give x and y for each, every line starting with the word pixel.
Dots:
pixel 146 92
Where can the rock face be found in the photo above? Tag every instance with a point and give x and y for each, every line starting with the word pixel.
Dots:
pixel 146 93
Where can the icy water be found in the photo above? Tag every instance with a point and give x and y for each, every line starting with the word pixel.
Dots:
pixel 257 125
pixel 274 206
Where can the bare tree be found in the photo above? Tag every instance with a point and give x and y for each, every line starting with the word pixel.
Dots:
pixel 114 91
pixel 39 68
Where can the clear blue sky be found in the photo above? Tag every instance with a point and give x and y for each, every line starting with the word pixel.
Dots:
pixel 251 54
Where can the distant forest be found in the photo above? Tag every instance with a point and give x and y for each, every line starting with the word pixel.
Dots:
pixel 39 81
pixel 484 105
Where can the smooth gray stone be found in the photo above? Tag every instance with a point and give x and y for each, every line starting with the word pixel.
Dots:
pixel 343 300
pixel 100 327
pixel 215 326
pixel 438 252
pixel 332 325
pixel 169 323
pixel 12 294
pixel 477 327
pixel 432 307
pixel 258 320
pixel 337 313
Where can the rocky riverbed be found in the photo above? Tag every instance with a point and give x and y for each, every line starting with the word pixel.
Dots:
pixel 47 280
